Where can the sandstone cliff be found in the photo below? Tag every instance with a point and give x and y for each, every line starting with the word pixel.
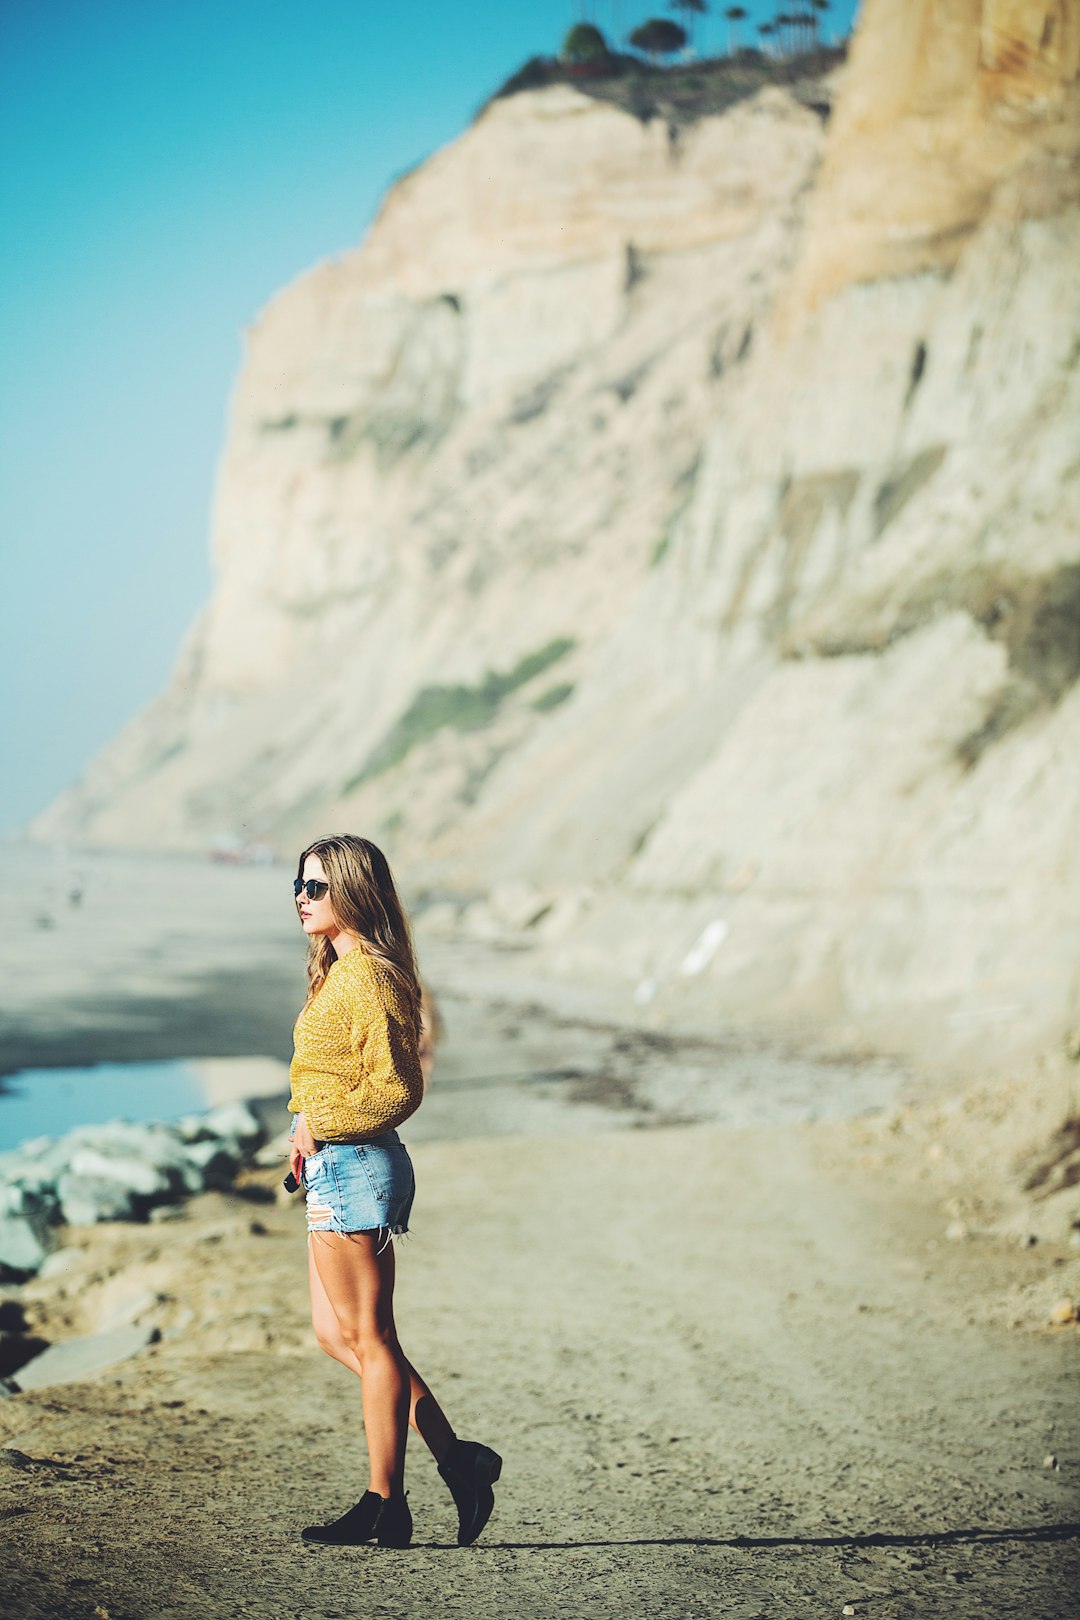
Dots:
pixel 673 542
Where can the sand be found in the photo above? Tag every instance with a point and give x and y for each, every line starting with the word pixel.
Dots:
pixel 735 1366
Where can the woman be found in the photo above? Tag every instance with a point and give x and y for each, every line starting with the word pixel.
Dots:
pixel 355 1076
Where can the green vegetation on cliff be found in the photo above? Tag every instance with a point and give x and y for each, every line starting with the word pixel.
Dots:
pixel 464 708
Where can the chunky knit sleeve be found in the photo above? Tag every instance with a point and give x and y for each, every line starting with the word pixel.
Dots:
pixel 356 1070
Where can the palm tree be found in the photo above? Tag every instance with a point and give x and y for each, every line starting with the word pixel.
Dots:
pixel 693 10
pixel 822 7
pixel 767 30
pixel 659 36
pixel 734 14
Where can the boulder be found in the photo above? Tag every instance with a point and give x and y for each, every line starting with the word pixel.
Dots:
pixel 16 1349
pixel 140 1175
pixel 75 1359
pixel 25 1240
pixel 85 1200
pixel 214 1163
pixel 235 1120
pixel 61 1260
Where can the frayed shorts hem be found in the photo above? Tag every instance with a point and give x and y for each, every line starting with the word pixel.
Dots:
pixel 360 1187
pixel 386 1234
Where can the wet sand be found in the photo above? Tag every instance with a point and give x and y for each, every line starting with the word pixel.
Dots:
pixel 735 1365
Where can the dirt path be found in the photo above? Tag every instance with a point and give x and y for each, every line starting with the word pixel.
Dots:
pixel 727 1373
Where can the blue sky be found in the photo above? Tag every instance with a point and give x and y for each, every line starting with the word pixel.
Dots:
pixel 167 166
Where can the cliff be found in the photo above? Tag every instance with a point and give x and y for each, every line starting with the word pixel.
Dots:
pixel 669 537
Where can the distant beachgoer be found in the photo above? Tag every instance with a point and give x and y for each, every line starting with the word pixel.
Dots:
pixel 356 1074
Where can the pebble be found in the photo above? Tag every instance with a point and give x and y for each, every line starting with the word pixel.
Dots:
pixel 1064 1311
pixel 1050 1461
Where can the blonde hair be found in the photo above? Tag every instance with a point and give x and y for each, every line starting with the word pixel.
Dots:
pixel 365 901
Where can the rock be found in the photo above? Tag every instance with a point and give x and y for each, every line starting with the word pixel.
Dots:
pixel 956 1231
pixel 192 1128
pixel 141 1176
pixel 16 1349
pixel 75 1359
pixel 274 1153
pixel 85 1200
pixel 168 1212
pixel 215 1163
pixel 23 1193
pixel 235 1120
pixel 1050 1461
pixel 128 1311
pixel 25 1240
pixel 1064 1311
pixel 179 1324
pixel 61 1260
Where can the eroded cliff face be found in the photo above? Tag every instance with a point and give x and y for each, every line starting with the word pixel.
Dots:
pixel 676 542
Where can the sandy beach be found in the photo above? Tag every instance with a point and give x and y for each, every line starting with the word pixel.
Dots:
pixel 757 1334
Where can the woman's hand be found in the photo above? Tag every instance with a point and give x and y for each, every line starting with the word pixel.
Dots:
pixel 301 1146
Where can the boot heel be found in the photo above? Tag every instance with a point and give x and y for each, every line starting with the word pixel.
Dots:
pixel 395 1523
pixel 470 1470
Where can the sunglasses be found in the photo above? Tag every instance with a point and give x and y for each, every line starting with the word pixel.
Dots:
pixel 313 889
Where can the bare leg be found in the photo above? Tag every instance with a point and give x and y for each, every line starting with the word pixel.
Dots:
pixel 425 1414
pixel 357 1284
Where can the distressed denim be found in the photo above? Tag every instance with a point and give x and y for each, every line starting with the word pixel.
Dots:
pixel 360 1186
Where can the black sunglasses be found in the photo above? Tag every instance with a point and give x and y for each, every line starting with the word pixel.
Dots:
pixel 312 888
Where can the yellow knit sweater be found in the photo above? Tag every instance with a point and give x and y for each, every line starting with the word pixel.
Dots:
pixel 356 1065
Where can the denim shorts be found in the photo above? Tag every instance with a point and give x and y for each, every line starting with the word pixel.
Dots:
pixel 360 1186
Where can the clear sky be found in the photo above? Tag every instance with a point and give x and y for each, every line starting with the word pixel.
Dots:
pixel 167 166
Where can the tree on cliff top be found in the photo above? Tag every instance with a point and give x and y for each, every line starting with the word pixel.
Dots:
pixel 693 10
pixel 584 43
pixel 659 37
pixel 734 14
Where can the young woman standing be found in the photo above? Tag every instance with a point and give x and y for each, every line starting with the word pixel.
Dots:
pixel 355 1076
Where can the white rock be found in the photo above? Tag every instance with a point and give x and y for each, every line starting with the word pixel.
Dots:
pixel 61 1260
pixel 25 1240
pixel 72 1360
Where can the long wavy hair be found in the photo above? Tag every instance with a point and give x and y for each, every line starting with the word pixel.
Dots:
pixel 364 900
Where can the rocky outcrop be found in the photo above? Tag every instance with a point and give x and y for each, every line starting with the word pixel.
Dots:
pixel 683 532
pixel 119 1171
pixel 949 115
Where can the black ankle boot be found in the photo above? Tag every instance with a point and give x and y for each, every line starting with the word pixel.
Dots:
pixel 395 1523
pixel 470 1470
pixel 374 1517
